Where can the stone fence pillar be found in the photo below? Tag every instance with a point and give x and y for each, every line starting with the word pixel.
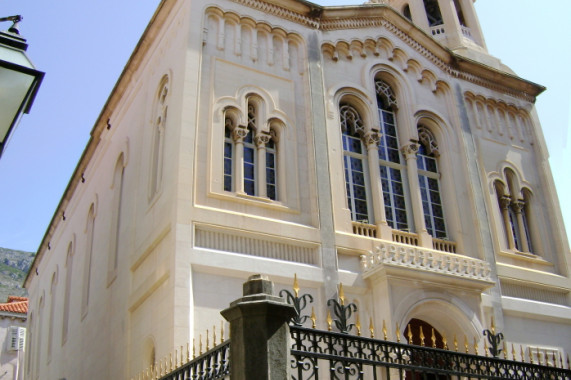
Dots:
pixel 259 333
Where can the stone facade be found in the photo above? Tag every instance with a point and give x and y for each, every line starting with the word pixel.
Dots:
pixel 342 144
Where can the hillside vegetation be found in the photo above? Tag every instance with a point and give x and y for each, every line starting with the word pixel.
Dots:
pixel 14 266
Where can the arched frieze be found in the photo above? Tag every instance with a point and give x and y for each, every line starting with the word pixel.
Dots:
pixel 505 120
pixel 243 36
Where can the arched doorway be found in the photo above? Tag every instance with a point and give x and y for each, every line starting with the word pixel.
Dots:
pixel 432 338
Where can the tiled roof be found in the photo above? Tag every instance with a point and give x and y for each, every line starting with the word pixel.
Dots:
pixel 15 305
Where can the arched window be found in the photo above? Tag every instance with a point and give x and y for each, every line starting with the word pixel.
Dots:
pixel 459 13
pixel 391 164
pixel 53 306
pixel 251 153
pixel 433 12
pixel 429 178
pixel 67 294
pixel 514 204
pixel 159 119
pixel 118 179
pixel 228 154
pixel 355 163
pixel 271 161
pixel 88 257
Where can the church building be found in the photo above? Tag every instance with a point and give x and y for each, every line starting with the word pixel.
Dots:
pixel 376 146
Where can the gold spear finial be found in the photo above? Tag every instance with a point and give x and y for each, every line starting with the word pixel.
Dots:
pixel 341 294
pixel 505 349
pixel 493 326
pixel 358 324
pixel 421 335
pixel 187 352
pixel 455 343
pixel 329 320
pixel 398 333
pixel 475 346
pixel 466 343
pixel 433 338
pixel 486 348
pixel 207 340
pixel 385 331
pixel 295 285
pixel 176 358
pixel 193 348
pixel 513 352
pixel 313 318
pixel 171 362
pixel 538 356
pixel 530 355
pixel 200 344
pixel 522 353
pixel 221 331
pixel 409 335
pixel 214 336
pixel 445 342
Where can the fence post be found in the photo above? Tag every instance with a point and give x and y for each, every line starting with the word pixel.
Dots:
pixel 259 333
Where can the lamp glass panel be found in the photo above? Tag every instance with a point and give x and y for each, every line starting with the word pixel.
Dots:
pixel 14 87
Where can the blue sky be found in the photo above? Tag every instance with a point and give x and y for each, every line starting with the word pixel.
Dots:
pixel 83 47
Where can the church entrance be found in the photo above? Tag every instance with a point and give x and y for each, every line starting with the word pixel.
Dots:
pixel 417 326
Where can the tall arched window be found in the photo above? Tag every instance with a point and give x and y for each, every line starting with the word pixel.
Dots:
pixel 67 294
pixel 53 306
pixel 271 169
pixel 433 12
pixel 391 164
pixel 250 152
pixel 88 257
pixel 355 163
pixel 118 179
pixel 429 177
pixel 159 119
pixel 228 154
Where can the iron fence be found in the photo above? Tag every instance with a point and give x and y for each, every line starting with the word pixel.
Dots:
pixel 212 365
pixel 338 356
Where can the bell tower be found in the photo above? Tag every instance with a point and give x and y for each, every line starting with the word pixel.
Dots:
pixel 453 23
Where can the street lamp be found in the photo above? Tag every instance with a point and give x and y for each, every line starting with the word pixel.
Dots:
pixel 19 80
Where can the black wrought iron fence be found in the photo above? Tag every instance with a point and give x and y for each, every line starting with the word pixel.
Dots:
pixel 339 356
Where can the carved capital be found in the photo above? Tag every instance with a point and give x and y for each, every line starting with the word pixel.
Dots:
pixel 239 133
pixel 505 201
pixel 371 138
pixel 518 206
pixel 262 139
pixel 410 150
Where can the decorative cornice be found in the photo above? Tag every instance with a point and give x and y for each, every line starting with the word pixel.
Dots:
pixel 425 260
pixel 279 11
pixel 317 17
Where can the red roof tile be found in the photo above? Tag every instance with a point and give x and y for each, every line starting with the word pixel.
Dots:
pixel 15 305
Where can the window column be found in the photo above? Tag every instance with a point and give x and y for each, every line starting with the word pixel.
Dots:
pixel 261 140
pixel 239 133
pixel 518 207
pixel 371 141
pixel 409 152
pixel 505 202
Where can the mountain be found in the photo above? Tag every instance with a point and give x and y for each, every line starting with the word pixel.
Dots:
pixel 14 266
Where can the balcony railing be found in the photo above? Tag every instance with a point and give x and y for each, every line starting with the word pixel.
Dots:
pixel 444 245
pixel 364 229
pixel 405 237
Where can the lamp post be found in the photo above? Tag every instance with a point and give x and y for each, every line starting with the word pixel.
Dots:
pixel 19 80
